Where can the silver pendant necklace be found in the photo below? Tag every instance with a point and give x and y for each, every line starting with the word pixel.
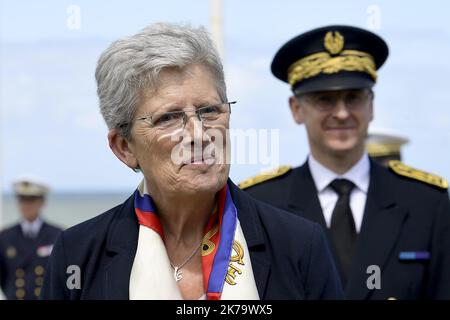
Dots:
pixel 177 273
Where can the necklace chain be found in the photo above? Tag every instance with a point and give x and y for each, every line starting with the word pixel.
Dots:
pixel 178 275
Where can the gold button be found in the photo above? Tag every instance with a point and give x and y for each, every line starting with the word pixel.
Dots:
pixel 39 270
pixel 20 282
pixel 39 281
pixel 11 252
pixel 20 273
pixel 392 298
pixel 37 292
pixel 20 293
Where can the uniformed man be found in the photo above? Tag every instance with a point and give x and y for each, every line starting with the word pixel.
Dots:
pixel 25 247
pixel 383 146
pixel 389 227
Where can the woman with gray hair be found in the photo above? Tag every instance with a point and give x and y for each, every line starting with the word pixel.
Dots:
pixel 187 232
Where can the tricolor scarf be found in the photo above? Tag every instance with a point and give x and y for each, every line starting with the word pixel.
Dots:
pixel 226 265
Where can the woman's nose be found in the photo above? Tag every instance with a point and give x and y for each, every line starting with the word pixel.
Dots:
pixel 188 116
pixel 194 126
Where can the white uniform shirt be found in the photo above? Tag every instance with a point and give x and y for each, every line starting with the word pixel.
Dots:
pixel 31 229
pixel 359 174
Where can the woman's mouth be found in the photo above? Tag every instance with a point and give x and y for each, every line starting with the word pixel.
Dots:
pixel 204 160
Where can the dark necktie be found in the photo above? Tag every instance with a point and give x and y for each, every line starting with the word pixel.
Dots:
pixel 343 231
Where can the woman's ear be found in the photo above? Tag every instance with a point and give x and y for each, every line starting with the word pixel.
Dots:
pixel 296 109
pixel 122 148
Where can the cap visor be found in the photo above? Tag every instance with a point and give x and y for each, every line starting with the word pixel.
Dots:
pixel 334 82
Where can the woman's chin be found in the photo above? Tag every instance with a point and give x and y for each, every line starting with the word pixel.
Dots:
pixel 197 166
pixel 208 181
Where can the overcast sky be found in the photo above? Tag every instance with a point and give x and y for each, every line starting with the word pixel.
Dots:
pixel 51 125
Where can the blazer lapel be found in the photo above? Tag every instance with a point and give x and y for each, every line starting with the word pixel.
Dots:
pixel 382 222
pixel 261 269
pixel 305 200
pixel 121 252
pixel 252 229
pixel 303 197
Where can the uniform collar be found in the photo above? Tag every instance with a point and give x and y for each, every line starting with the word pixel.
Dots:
pixel 33 227
pixel 359 174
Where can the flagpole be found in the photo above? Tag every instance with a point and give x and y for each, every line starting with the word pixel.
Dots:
pixel 215 24
pixel 2 296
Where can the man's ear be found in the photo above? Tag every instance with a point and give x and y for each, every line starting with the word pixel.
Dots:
pixel 296 110
pixel 371 111
pixel 372 98
pixel 371 107
pixel 121 148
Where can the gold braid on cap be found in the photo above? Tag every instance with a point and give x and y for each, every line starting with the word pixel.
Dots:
pixel 380 150
pixel 333 61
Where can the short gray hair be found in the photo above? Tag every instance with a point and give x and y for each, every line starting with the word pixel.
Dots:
pixel 131 65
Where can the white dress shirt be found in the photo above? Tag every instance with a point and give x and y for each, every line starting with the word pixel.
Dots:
pixel 31 229
pixel 359 174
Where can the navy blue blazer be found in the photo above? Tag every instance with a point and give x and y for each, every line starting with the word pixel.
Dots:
pixel 405 231
pixel 23 260
pixel 290 256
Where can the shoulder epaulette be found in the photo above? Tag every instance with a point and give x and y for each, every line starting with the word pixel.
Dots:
pixel 264 177
pixel 409 172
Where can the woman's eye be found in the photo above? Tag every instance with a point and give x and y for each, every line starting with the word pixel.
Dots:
pixel 209 110
pixel 167 117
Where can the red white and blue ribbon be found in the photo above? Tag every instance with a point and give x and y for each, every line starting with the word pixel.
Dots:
pixel 215 263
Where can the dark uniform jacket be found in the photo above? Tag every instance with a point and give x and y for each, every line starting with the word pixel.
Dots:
pixel 289 255
pixel 23 261
pixel 405 230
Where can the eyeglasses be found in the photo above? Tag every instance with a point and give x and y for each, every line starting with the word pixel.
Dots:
pixel 208 116
pixel 28 199
pixel 327 101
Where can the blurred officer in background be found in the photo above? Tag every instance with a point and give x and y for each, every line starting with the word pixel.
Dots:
pixel 389 228
pixel 383 146
pixel 25 247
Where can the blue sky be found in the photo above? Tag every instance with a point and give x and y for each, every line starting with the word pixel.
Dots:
pixel 51 126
